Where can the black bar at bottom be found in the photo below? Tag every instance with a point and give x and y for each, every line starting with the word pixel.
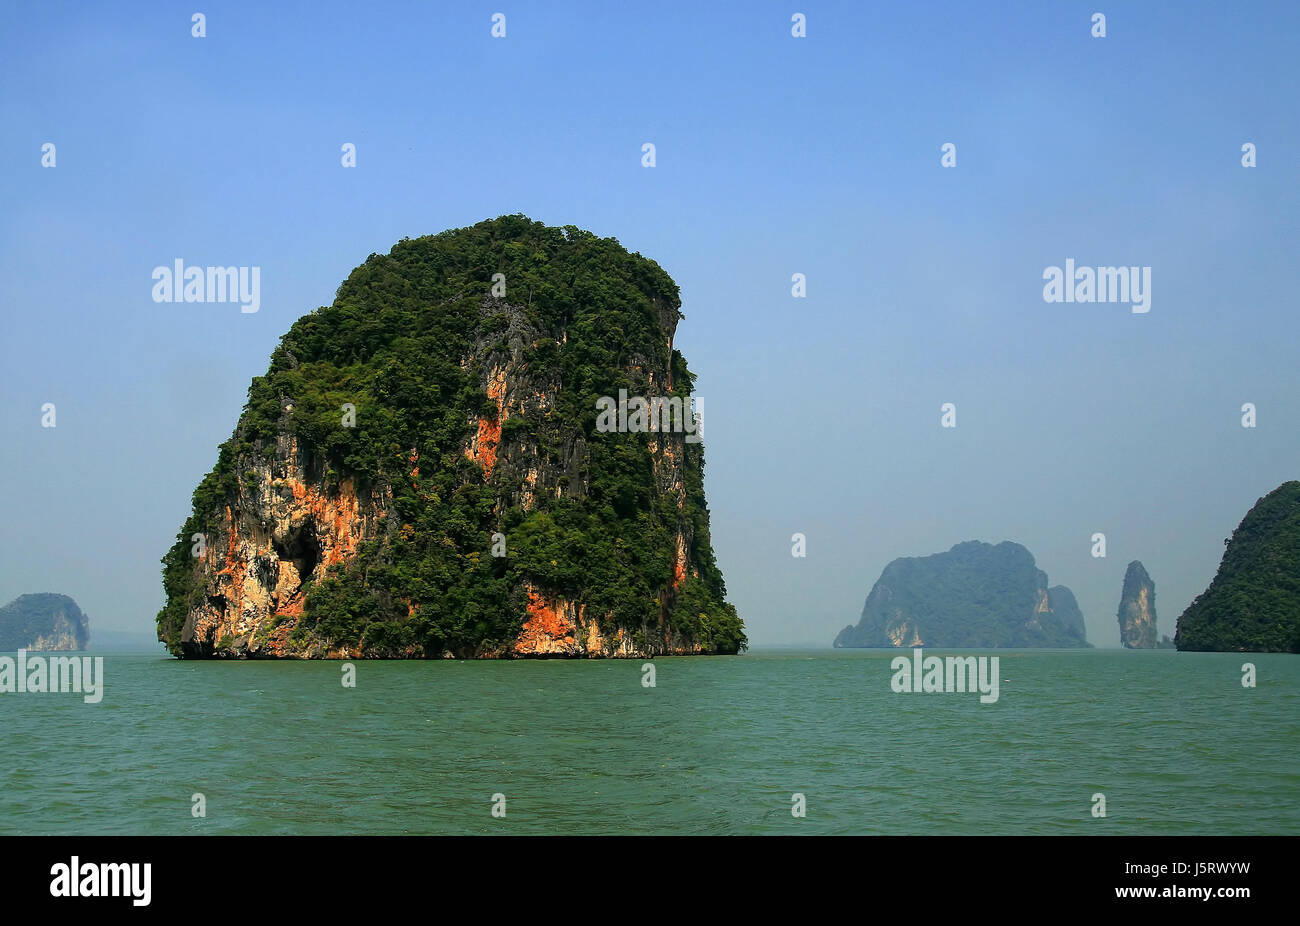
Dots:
pixel 331 875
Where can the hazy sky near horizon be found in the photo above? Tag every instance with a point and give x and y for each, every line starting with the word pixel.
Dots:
pixel 775 155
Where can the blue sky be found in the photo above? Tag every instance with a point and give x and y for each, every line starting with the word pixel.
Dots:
pixel 775 155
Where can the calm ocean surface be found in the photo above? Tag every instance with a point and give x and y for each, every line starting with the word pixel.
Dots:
pixel 1173 740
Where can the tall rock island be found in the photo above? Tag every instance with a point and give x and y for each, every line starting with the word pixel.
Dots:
pixel 425 470
pixel 44 621
pixel 1253 604
pixel 1137 609
pixel 975 596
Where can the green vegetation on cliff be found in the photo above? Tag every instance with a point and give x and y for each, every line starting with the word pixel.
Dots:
pixel 1253 604
pixel 407 342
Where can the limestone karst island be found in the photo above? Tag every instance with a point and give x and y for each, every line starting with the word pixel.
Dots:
pixel 977 595
pixel 420 473
pixel 1137 611
pixel 1253 604
pixel 43 622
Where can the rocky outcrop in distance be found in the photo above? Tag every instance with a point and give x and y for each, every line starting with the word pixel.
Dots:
pixel 975 596
pixel 1137 609
pixel 43 622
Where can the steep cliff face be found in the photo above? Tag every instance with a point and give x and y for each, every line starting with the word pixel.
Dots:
pixel 284 526
pixel 974 596
pixel 1065 609
pixel 1253 604
pixel 1137 609
pixel 420 473
pixel 43 622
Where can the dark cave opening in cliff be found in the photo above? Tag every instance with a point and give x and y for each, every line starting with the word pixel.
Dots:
pixel 302 548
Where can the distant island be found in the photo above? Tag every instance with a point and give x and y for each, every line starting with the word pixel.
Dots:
pixel 975 596
pixel 484 448
pixel 43 622
pixel 1253 603
pixel 1137 609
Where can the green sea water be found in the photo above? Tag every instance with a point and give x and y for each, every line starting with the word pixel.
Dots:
pixel 718 746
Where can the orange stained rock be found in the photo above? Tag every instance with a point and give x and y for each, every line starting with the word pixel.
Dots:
pixel 339 514
pixel 489 431
pixel 335 518
pixel 489 436
pixel 546 625
pixel 679 563
pixel 279 637
pixel 234 564
pixel 292 608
